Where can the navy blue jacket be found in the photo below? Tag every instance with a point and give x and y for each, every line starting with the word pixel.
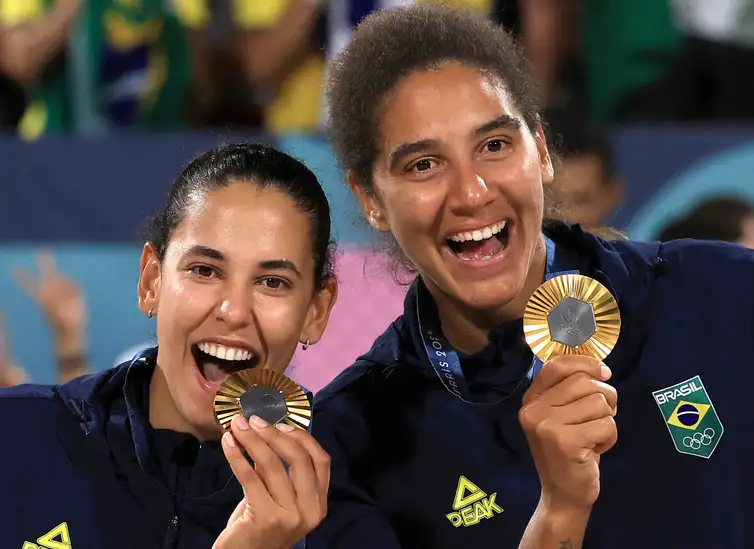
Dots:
pixel 80 465
pixel 404 450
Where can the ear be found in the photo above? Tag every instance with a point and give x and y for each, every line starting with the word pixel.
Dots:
pixel 148 290
pixel 369 204
pixel 545 161
pixel 319 312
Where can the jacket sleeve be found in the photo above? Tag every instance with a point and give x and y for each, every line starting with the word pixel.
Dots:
pixel 353 519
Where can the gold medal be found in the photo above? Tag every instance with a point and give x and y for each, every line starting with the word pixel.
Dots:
pixel 264 393
pixel 571 314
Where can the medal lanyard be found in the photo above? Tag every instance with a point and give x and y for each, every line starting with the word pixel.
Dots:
pixel 441 354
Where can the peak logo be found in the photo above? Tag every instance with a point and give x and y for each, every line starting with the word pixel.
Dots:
pixel 471 504
pixel 57 538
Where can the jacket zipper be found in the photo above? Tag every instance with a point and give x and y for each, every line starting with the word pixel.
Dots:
pixel 171 535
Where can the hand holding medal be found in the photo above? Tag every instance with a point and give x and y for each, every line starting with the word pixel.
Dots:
pixel 571 323
pixel 284 472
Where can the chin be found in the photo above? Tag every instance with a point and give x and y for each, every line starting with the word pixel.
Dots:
pixel 488 295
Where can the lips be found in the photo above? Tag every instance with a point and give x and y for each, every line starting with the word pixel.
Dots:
pixel 480 244
pixel 216 362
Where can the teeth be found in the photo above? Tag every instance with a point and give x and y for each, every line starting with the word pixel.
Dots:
pixel 224 353
pixel 479 234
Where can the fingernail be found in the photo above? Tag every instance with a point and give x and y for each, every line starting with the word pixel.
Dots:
pixel 240 423
pixel 258 422
pixel 285 427
pixel 229 440
pixel 605 373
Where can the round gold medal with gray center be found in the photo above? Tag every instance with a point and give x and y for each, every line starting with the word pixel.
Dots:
pixel 571 314
pixel 264 393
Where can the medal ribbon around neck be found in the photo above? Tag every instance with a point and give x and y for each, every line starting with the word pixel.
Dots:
pixel 560 282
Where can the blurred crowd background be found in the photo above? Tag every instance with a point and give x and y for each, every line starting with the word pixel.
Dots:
pixel 649 104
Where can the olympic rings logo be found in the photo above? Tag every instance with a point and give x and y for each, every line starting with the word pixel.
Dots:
pixel 697 440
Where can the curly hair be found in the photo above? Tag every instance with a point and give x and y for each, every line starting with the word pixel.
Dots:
pixel 390 45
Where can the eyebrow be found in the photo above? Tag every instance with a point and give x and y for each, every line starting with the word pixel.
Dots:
pixel 205 251
pixel 280 265
pixel 269 264
pixel 503 122
pixel 407 149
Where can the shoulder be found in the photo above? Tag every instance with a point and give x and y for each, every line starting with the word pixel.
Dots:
pixel 712 258
pixel 25 396
pixel 385 354
pixel 29 415
pixel 354 403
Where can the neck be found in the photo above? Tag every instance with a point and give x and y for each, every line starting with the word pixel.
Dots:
pixel 467 328
pixel 163 413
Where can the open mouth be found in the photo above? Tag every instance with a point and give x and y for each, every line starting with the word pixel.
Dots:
pixel 217 362
pixel 481 244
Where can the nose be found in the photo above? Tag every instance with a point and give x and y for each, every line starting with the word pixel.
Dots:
pixel 236 308
pixel 468 191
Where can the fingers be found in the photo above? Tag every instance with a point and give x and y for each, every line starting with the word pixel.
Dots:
pixel 46 264
pixel 578 442
pixel 559 368
pixel 600 434
pixel 576 387
pixel 267 464
pixel 319 459
pixel 253 487
pixel 588 408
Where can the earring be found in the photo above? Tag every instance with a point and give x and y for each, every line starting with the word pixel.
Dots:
pixel 373 215
pixel 305 346
pixel 150 313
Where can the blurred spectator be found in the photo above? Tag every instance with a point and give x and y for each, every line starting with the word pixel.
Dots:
pixel 96 63
pixel 282 45
pixel 628 46
pixel 586 176
pixel 10 373
pixel 280 55
pixel 706 82
pixel 722 218
pixel 64 310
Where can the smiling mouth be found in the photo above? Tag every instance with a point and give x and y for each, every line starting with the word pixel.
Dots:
pixel 216 363
pixel 480 245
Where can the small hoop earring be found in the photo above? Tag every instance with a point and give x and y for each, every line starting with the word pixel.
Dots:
pixel 305 346
pixel 150 313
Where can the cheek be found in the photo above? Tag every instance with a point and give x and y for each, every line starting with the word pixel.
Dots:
pixel 184 305
pixel 280 320
pixel 413 211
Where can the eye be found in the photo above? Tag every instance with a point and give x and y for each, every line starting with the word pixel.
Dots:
pixel 204 271
pixel 420 166
pixel 494 145
pixel 274 283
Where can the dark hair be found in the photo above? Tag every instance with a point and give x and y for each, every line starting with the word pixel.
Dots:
pixel 392 44
pixel 259 165
pixel 572 136
pixel 719 218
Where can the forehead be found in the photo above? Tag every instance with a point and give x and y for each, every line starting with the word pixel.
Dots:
pixel 246 222
pixel 450 99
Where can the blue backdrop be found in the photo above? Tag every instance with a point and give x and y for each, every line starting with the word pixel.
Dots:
pixel 87 200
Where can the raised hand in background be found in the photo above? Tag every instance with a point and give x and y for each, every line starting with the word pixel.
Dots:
pixel 65 311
